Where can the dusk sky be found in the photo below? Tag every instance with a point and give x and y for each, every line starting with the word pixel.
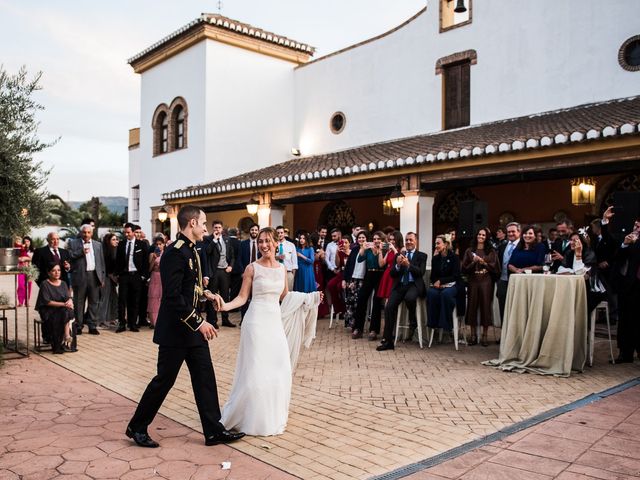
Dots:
pixel 91 94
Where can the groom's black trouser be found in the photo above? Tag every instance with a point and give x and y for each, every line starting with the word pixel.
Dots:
pixel 203 381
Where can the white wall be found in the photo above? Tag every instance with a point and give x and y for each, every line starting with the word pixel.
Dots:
pixel 249 110
pixel 181 75
pixel 532 57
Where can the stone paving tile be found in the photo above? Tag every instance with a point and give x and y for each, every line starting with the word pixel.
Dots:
pixel 31 448
pixel 532 453
pixel 347 398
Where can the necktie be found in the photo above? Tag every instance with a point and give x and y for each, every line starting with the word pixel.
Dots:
pixel 510 250
pixel 56 257
pixel 128 249
pixel 253 251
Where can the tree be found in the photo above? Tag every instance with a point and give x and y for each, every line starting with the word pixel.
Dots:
pixel 22 179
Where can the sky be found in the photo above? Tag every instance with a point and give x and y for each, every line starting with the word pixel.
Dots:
pixel 91 95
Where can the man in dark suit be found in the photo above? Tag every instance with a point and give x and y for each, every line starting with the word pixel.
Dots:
pixel 236 271
pixel 604 247
pixel 249 251
pixel 217 265
pixel 627 283
pixel 182 335
pixel 408 286
pixel 132 264
pixel 562 245
pixel 504 255
pixel 143 301
pixel 52 253
pixel 87 278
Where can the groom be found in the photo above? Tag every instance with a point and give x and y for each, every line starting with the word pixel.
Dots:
pixel 182 336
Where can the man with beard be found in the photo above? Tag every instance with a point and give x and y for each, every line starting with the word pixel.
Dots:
pixel 249 253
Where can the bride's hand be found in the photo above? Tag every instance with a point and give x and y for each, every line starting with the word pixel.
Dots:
pixel 321 296
pixel 219 303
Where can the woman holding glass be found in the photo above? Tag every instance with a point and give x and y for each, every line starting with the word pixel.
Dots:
pixel 480 263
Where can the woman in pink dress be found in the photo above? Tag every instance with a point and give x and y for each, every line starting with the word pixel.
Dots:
pixel 155 285
pixel 395 243
pixel 24 260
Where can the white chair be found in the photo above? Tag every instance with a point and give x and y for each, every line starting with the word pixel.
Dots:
pixel 402 319
pixel 457 320
pixel 331 314
pixel 592 331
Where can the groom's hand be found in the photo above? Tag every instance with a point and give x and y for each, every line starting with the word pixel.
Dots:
pixel 208 332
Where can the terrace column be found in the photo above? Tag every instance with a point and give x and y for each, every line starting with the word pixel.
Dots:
pixel 269 215
pixel 416 215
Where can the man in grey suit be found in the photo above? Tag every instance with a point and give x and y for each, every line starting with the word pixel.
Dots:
pixel 87 277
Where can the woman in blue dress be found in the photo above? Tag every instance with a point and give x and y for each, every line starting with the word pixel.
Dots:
pixel 305 280
pixel 529 254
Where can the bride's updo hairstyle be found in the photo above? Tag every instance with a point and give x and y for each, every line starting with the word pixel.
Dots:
pixel 271 234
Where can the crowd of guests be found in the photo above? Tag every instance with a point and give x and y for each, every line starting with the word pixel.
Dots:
pixel 117 282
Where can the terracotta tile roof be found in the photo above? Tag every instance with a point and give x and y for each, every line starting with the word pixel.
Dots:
pixel 584 123
pixel 233 26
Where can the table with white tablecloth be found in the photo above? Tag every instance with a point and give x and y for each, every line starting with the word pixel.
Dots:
pixel 545 325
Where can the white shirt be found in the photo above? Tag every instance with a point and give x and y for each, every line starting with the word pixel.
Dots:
pixel 359 270
pixel 131 245
pixel 330 255
pixel 89 256
pixel 290 261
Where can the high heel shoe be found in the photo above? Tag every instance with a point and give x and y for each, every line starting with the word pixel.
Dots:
pixel 473 341
pixel 484 341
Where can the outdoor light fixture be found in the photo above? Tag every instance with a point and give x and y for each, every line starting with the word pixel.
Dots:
pixel 252 206
pixel 162 215
pixel 295 152
pixel 397 197
pixel 460 8
pixel 583 191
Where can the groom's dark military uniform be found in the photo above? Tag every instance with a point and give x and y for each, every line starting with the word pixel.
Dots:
pixel 176 333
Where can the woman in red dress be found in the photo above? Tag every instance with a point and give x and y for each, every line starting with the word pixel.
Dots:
pixel 395 244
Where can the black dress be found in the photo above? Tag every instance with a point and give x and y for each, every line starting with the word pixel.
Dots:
pixel 53 319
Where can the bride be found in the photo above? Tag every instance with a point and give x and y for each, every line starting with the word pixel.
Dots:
pixel 259 400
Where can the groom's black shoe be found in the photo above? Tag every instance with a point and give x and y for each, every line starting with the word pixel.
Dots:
pixel 141 438
pixel 225 436
pixel 227 323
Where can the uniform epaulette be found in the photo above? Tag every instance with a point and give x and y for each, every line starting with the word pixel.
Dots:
pixel 179 244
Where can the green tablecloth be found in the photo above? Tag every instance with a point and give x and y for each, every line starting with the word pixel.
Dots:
pixel 545 325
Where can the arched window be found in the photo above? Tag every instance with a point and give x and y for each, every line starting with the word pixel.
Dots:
pixel 179 124
pixel 179 116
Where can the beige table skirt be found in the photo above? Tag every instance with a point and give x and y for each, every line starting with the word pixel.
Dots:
pixel 545 325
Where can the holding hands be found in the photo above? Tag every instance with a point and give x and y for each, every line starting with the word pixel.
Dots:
pixel 218 303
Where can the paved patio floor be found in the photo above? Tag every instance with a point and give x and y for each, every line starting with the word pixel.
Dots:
pixel 356 412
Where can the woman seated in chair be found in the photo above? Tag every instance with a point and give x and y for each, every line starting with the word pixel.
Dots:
pixel 441 295
pixel 56 310
pixel 581 260
pixel 480 263
pixel 529 254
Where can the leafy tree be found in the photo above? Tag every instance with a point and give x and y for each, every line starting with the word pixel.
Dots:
pixel 22 179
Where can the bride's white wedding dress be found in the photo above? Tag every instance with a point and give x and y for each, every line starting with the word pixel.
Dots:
pixel 259 400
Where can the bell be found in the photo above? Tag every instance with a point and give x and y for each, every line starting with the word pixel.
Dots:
pixel 460 8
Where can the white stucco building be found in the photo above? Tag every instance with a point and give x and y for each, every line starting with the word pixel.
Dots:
pixel 249 97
